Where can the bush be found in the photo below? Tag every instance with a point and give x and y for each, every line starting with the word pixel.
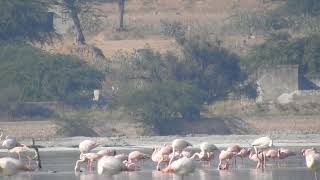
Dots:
pixel 311 7
pixel 46 77
pixel 280 48
pixel 173 29
pixel 165 102
pixel 21 19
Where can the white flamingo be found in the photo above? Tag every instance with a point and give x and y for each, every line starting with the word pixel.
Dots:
pixel 10 166
pixel 9 142
pixel 30 154
pixel 262 144
pixel 110 165
pixel 178 145
pixel 313 163
pixel 86 146
pixel 181 167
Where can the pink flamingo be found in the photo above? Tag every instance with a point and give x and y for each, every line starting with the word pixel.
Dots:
pixel 91 157
pixel 137 156
pixel 158 157
pixel 235 149
pixel 225 156
pixel 30 154
pixel 305 152
pixel 255 157
pixel 243 153
pixel 10 166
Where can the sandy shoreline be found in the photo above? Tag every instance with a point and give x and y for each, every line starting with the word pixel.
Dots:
pixel 147 142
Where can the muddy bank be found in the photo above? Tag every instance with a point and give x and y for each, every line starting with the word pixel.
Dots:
pixel 147 142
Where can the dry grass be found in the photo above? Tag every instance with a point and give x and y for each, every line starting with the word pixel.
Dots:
pixel 29 129
pixel 285 124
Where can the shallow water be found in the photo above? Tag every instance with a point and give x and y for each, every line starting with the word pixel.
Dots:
pixel 292 168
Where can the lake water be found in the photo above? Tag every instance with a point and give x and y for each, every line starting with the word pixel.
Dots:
pixel 62 163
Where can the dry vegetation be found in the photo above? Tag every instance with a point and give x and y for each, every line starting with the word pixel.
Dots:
pixel 143 28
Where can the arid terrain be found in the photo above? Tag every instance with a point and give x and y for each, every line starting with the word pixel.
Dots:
pixel 143 25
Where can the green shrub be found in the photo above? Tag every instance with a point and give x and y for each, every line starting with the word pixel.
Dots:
pixel 46 77
pixel 24 19
pixel 280 48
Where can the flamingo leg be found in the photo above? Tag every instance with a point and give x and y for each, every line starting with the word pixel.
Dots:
pixel 29 159
pixel 264 160
pixel 173 155
pixel 315 175
pixel 219 166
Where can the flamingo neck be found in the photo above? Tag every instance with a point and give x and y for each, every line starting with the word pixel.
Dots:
pixel 194 155
pixel 1 134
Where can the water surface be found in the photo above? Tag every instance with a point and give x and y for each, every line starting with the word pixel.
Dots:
pixel 60 165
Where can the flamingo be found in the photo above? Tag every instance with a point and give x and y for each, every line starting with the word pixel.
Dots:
pixel 158 157
pixel 137 156
pixel 91 157
pixel 110 165
pixel 87 157
pixel 107 152
pixel 243 153
pixel 225 156
pixel 9 142
pixel 24 151
pixel 313 162
pixel 178 145
pixel 121 157
pixel 255 157
pixel 181 167
pixel 207 152
pixel 10 166
pixel 284 153
pixel 262 143
pixel 235 149
pixel 166 150
pixel 305 152
pixel 272 154
pixel 86 146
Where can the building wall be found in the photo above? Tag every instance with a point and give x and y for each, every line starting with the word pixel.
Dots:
pixel 274 81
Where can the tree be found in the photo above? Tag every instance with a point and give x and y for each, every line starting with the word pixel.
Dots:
pixel 121 5
pixel 20 20
pixel 281 48
pixel 212 68
pixel 164 102
pixel 73 7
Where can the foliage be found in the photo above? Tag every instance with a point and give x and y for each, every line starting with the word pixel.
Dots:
pixel 21 19
pixel 165 101
pixel 173 29
pixel 311 56
pixel 311 7
pixel 45 77
pixel 210 67
pixel 281 48
pixel 176 87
